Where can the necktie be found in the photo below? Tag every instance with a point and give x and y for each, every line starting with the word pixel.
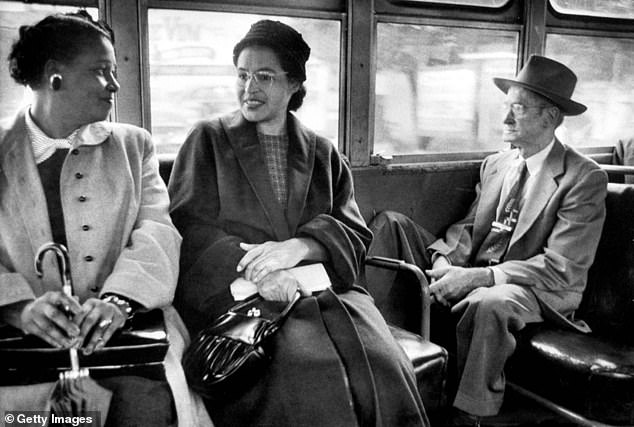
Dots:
pixel 496 243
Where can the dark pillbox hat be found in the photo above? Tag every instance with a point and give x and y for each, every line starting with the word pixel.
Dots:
pixel 284 40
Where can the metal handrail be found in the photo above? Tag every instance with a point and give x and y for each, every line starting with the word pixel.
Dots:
pixel 400 265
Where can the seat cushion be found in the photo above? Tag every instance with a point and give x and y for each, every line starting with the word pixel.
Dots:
pixel 590 375
pixel 430 367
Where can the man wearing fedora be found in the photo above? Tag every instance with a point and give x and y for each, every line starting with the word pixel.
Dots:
pixel 523 251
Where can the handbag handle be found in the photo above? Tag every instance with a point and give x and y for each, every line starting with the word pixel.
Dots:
pixel 283 314
pixel 290 305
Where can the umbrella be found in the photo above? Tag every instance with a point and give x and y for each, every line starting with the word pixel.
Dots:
pixel 75 394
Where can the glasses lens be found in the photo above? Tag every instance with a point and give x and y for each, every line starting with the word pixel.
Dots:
pixel 517 108
pixel 243 76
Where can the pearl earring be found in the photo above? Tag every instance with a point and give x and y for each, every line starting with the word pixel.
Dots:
pixel 56 81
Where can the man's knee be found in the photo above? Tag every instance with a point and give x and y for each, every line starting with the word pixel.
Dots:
pixel 484 303
pixel 387 219
pixel 504 305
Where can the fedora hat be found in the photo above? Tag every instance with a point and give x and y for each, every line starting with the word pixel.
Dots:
pixel 550 79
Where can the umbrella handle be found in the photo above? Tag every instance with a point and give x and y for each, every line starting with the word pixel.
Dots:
pixel 63 262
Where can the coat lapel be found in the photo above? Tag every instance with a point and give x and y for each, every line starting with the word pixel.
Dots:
pixel 301 160
pixel 489 200
pixel 18 164
pixel 540 192
pixel 243 138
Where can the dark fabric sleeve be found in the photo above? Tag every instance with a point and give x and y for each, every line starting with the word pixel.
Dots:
pixel 209 255
pixel 342 231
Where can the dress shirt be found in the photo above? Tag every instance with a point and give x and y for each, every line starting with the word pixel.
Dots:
pixel 534 164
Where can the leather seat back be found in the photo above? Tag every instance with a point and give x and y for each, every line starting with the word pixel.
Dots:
pixel 608 302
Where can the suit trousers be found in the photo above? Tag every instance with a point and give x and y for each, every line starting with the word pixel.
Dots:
pixel 486 318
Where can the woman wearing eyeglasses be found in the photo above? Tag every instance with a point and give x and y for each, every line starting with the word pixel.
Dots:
pixel 255 194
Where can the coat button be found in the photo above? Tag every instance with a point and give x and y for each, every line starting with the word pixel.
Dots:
pixel 75 151
pixel 82 198
pixel 94 289
pixel 79 175
pixel 88 258
pixel 85 227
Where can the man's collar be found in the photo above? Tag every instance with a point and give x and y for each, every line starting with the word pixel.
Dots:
pixel 535 162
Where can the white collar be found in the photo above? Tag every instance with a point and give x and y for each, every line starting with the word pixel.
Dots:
pixel 535 162
pixel 44 146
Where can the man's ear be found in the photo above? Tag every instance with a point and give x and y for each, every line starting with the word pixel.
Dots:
pixel 551 116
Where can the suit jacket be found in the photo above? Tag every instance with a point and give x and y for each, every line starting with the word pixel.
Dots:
pixel 130 237
pixel 221 195
pixel 557 232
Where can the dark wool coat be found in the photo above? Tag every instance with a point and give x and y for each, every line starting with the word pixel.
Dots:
pixel 334 362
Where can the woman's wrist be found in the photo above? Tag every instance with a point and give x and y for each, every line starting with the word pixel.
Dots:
pixel 126 306
pixel 311 249
pixel 12 313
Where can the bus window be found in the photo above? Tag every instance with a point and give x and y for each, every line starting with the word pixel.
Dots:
pixel 434 90
pixel 606 83
pixel 620 9
pixel 192 76
pixel 12 16
pixel 480 3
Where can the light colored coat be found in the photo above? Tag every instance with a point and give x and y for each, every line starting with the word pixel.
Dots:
pixel 557 232
pixel 134 247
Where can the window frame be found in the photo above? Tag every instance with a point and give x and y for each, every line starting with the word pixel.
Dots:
pixel 375 159
pixel 358 20
pixel 241 7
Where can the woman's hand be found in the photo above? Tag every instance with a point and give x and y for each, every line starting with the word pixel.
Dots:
pixel 49 318
pixel 280 286
pixel 98 322
pixel 262 259
pixel 268 257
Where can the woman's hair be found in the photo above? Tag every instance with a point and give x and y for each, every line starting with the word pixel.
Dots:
pixel 59 37
pixel 290 48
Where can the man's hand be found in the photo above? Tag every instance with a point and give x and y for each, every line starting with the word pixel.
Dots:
pixel 453 283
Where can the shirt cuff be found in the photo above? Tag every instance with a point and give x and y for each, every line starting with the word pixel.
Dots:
pixel 437 255
pixel 499 277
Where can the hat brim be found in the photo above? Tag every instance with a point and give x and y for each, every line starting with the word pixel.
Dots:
pixel 567 106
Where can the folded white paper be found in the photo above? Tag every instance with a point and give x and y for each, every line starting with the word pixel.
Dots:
pixel 311 277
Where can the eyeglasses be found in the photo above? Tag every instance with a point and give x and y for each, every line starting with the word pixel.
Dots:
pixel 519 109
pixel 264 79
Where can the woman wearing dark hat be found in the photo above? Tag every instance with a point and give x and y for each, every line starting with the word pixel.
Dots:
pixel 254 194
pixel 68 175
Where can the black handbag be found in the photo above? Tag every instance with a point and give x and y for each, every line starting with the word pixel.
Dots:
pixel 227 356
pixel 139 348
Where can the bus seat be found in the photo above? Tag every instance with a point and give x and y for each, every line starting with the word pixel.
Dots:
pixel 591 375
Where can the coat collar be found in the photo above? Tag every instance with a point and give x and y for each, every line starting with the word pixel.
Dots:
pixel 242 136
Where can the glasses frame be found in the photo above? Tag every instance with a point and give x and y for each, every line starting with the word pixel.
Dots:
pixel 256 77
pixel 519 109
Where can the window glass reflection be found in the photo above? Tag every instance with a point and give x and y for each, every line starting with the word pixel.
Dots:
pixel 482 3
pixel 605 85
pixel 434 89
pixel 192 76
pixel 12 16
pixel 621 9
